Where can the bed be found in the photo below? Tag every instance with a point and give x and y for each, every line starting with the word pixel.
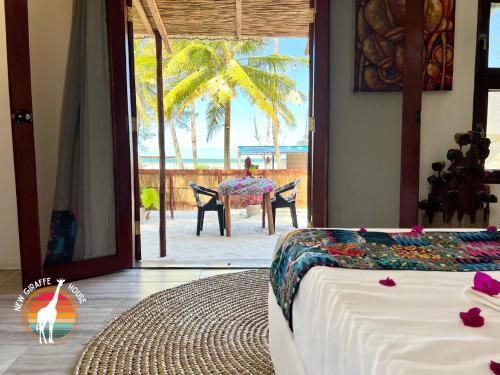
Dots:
pixel 345 322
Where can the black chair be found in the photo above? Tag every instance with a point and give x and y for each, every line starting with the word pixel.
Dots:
pixel 280 201
pixel 213 204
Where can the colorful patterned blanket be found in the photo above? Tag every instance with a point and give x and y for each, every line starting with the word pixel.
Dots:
pixel 431 251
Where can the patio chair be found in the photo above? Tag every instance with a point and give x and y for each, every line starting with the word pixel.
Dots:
pixel 280 201
pixel 213 204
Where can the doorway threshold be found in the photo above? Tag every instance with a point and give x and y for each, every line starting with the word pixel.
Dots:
pixel 205 264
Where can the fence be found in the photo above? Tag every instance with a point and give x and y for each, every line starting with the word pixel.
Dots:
pixel 179 195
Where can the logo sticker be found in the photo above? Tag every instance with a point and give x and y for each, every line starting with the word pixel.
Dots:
pixel 49 312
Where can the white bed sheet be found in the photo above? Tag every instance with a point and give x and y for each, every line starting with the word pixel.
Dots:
pixel 345 322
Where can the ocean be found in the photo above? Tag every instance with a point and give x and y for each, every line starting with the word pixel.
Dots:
pixel 213 163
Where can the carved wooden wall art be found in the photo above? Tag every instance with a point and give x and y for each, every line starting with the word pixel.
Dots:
pixel 379 48
pixel 460 188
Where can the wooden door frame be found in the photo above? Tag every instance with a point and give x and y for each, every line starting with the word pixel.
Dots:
pixel 24 151
pixel 411 111
pixel 16 14
pixel 318 161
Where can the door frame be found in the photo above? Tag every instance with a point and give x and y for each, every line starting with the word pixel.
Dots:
pixel 24 151
pixel 411 114
pixel 18 62
pixel 319 92
pixel 23 140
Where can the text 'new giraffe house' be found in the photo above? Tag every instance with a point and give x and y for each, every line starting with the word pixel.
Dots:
pixel 48 311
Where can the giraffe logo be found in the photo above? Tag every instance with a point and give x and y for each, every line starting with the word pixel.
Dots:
pixel 49 313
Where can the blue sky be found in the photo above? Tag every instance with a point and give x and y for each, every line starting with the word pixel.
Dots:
pixel 242 116
pixel 494 42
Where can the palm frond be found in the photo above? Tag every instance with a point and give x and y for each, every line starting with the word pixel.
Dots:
pixel 275 86
pixel 249 47
pixel 193 56
pixel 286 114
pixel 276 62
pixel 235 75
pixel 186 90
pixel 215 116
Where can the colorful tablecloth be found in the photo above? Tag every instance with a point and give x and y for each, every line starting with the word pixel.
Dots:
pixel 246 186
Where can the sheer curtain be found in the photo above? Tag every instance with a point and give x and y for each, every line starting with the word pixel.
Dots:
pixel 83 216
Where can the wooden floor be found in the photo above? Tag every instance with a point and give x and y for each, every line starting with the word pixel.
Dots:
pixel 107 297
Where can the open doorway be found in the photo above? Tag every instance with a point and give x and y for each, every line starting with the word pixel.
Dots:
pixel 235 109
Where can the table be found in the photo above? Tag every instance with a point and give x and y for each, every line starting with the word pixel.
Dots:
pixel 248 186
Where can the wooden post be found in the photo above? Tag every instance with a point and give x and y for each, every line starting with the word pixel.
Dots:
pixel 171 193
pixel 227 207
pixel 135 150
pixel 161 141
pixel 269 211
pixel 412 105
pixel 219 176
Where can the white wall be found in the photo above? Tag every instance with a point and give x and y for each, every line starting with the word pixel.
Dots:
pixel 365 137
pixel 49 45
pixel 9 240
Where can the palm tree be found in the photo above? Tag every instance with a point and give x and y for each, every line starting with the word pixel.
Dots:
pixel 145 73
pixel 187 121
pixel 219 70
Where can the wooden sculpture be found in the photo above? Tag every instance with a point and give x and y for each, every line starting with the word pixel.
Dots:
pixel 460 189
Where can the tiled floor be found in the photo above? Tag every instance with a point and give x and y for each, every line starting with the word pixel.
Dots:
pixel 107 296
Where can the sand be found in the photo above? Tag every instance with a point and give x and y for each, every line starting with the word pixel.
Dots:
pixel 250 245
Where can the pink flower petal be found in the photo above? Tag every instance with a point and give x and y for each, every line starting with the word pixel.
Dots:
pixel 495 367
pixel 486 284
pixel 472 318
pixel 362 230
pixel 417 229
pixel 492 229
pixel 387 282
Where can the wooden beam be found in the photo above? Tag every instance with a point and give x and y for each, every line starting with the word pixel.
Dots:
pixel 142 15
pixel 161 141
pixel 238 19
pixel 412 105
pixel 159 24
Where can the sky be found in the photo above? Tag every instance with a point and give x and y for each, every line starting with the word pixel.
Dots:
pixel 493 126
pixel 242 117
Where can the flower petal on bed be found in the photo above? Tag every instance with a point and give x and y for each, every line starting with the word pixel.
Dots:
pixel 417 229
pixel 492 229
pixel 472 318
pixel 362 230
pixel 495 367
pixel 486 284
pixel 387 282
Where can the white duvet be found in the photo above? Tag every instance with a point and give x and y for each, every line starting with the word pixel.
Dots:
pixel 345 322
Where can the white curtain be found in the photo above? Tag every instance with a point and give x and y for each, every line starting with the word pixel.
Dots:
pixel 83 217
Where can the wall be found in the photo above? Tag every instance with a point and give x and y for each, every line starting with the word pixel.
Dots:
pixel 49 45
pixel 365 137
pixel 9 240
pixel 365 132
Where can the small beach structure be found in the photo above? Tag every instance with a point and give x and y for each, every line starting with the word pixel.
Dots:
pixel 296 156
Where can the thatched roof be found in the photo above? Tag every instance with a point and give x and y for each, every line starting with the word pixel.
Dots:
pixel 222 18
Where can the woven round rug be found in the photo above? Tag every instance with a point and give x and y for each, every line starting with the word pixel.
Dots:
pixel 216 325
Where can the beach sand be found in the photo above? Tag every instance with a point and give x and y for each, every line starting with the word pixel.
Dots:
pixel 250 245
